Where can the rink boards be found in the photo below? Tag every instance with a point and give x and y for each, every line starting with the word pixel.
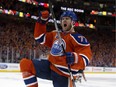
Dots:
pixel 14 67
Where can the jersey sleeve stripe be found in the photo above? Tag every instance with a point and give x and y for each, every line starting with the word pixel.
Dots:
pixel 41 39
pixel 76 57
pixel 85 59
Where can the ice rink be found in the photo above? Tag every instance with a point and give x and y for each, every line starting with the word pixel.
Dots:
pixel 93 80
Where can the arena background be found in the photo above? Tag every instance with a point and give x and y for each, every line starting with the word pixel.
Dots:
pixel 96 21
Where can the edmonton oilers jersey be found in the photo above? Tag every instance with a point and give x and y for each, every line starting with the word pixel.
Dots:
pixel 74 42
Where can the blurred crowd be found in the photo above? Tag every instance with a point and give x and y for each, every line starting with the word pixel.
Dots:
pixel 103 46
pixel 17 41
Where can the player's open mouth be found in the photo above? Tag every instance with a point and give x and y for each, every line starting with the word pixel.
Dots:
pixel 65 25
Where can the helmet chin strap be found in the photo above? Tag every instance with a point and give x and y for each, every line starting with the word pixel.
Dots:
pixel 72 25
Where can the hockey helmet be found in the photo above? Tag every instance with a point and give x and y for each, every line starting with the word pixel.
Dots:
pixel 70 14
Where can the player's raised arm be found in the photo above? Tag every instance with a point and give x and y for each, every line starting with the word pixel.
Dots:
pixel 40 33
pixel 40 26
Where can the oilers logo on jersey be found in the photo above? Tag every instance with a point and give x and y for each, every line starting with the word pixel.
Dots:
pixel 57 49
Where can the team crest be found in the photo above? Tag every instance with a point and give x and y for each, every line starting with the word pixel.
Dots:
pixel 57 49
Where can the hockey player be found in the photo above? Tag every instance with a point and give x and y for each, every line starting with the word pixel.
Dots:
pixel 77 53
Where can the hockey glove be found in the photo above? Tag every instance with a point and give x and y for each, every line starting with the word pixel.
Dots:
pixel 70 58
pixel 43 17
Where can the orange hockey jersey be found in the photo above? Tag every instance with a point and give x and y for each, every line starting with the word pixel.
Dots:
pixel 73 42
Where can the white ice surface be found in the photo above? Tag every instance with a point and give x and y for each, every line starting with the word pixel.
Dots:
pixel 93 80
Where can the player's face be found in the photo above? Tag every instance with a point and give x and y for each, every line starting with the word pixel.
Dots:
pixel 66 23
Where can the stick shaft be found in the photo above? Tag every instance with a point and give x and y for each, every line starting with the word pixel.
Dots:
pixel 55 22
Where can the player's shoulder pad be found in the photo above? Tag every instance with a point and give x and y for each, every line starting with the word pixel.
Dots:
pixel 80 39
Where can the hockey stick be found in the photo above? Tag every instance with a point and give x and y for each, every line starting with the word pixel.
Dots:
pixel 84 76
pixel 60 40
